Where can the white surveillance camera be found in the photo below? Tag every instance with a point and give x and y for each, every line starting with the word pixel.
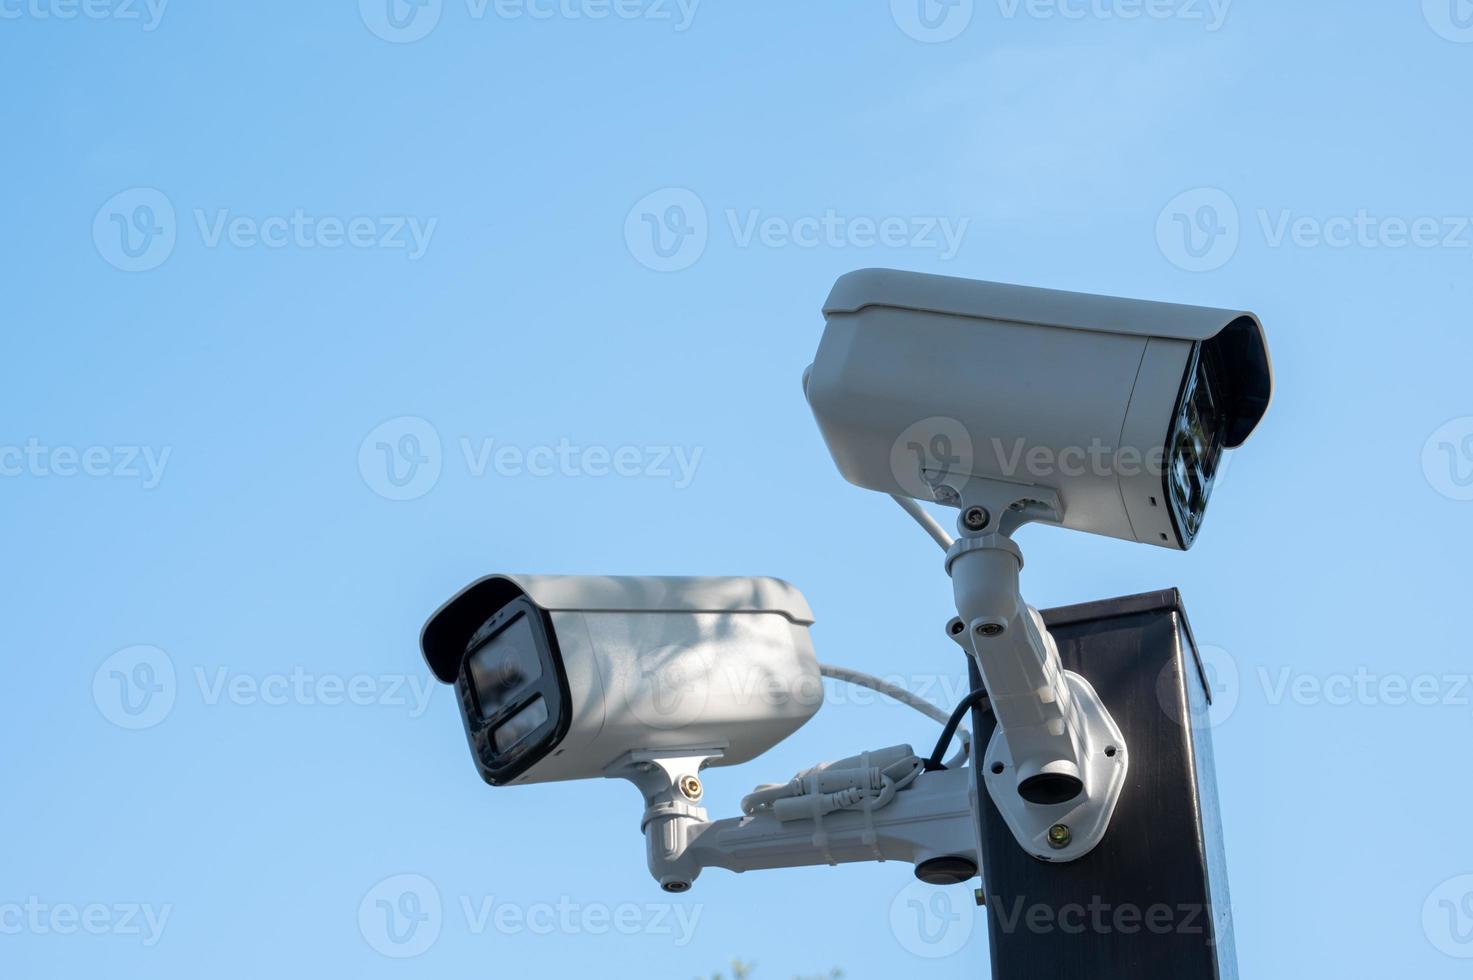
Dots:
pixel 1021 405
pixel 652 680
pixel 562 677
pixel 925 386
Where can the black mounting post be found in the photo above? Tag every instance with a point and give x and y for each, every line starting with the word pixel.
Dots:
pixel 1151 901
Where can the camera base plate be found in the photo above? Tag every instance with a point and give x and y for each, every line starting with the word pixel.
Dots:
pixel 1084 819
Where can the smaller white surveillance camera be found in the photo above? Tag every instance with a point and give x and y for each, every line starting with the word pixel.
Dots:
pixel 562 677
pixel 654 679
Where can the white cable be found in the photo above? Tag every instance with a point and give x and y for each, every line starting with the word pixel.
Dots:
pixel 861 679
pixel 925 520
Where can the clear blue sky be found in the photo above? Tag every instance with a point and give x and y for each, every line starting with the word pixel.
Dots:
pixel 238 238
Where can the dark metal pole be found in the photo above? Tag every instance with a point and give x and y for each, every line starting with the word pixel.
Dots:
pixel 1151 901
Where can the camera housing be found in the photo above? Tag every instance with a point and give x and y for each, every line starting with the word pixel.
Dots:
pixel 1123 408
pixel 562 677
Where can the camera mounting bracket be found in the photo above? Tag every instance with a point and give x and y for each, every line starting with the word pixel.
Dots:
pixel 932 824
pixel 1057 761
pixel 672 791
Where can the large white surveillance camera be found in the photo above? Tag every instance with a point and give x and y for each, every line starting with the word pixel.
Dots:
pixel 1021 405
pixel 562 677
pixel 924 385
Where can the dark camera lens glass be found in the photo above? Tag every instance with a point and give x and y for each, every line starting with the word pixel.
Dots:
pixel 504 665
pixel 1197 448
pixel 521 724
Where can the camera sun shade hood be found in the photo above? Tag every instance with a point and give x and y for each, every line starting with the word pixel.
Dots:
pixel 449 630
pixel 1240 339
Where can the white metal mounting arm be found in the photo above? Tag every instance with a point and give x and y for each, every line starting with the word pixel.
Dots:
pixel 932 824
pixel 1057 760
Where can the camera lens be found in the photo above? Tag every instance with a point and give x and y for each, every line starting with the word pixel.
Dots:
pixel 520 725
pixel 504 665
pixel 1196 448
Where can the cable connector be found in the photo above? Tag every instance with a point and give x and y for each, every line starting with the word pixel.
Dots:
pixel 866 781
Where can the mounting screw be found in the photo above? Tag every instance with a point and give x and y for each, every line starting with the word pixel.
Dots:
pixel 690 788
pixel 975 518
pixel 990 629
pixel 1059 836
